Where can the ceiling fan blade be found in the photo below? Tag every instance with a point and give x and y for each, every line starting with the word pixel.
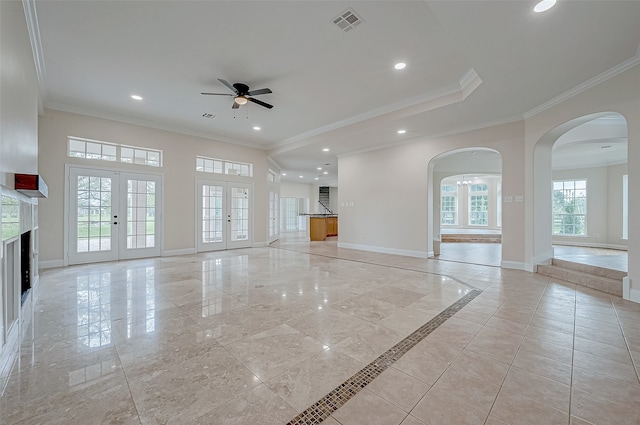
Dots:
pixel 235 105
pixel 259 91
pixel 218 94
pixel 259 102
pixel 229 86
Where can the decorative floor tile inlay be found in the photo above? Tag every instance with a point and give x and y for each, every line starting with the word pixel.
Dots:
pixel 324 407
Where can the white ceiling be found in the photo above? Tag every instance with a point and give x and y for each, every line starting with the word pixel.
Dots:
pixel 469 64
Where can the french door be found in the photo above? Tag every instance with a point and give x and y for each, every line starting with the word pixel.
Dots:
pixel 112 215
pixel 274 215
pixel 224 215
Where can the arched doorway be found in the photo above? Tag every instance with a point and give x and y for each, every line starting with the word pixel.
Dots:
pixel 580 170
pixel 466 206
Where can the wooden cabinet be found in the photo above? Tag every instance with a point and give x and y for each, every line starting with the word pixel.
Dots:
pixel 321 227
pixel 332 226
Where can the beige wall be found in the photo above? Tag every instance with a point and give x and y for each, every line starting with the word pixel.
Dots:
pixel 179 176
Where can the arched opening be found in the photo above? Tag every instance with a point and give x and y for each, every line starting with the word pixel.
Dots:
pixel 466 206
pixel 580 192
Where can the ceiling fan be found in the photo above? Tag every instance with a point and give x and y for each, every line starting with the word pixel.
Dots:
pixel 242 94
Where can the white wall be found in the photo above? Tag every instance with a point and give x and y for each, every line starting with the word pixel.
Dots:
pixel 391 212
pixel 18 144
pixel 604 206
pixel 19 99
pixel 179 175
pixel 295 190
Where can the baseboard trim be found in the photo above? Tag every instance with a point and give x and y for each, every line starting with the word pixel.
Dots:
pixel 174 252
pixel 50 264
pixel 515 265
pixel 628 293
pixel 591 245
pixel 382 250
pixel 260 244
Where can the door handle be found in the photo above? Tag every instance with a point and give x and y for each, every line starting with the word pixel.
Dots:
pixel 115 222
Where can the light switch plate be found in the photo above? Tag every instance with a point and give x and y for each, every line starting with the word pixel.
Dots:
pixel 519 198
pixel 508 199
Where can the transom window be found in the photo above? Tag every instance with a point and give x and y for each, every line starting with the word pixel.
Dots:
pixel 221 166
pixel 570 207
pixel 105 151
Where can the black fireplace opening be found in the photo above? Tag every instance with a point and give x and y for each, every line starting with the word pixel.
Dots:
pixel 25 265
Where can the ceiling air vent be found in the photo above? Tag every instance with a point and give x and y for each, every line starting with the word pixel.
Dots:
pixel 347 20
pixel 208 116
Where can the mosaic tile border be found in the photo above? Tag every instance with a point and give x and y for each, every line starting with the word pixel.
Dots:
pixel 324 407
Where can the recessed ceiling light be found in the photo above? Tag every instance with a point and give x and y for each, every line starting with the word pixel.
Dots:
pixel 326 172
pixel 301 177
pixel 544 5
pixel 256 128
pixel 136 97
pixel 402 131
pixel 319 168
pixel 400 65
pixel 317 178
pixel 325 150
pixel 284 174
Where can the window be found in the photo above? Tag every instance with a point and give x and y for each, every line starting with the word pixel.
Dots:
pixel 448 204
pixel 80 148
pixel 10 217
pixel 625 206
pixel 478 205
pixel 291 214
pixel 221 166
pixel 570 207
pixel 105 151
pixel 134 155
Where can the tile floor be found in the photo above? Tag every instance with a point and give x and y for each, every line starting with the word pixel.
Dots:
pixel 257 336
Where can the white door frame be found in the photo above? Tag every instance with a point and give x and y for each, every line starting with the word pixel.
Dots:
pixel 120 240
pixel 226 243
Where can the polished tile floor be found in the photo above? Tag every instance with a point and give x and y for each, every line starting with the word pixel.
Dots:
pixel 257 336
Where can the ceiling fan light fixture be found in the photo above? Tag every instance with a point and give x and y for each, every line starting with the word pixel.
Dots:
pixel 241 100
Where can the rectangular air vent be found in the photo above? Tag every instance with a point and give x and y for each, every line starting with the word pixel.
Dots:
pixel 208 116
pixel 347 20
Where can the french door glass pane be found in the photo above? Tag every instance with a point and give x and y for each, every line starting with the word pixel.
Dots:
pixel 141 213
pixel 239 214
pixel 212 219
pixel 93 214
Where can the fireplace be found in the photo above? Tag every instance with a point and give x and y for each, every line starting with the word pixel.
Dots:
pixel 25 265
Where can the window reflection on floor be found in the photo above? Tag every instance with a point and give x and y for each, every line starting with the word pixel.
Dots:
pixel 141 298
pixel 94 310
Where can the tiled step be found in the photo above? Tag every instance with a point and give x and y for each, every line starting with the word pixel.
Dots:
pixel 470 238
pixel 586 268
pixel 569 272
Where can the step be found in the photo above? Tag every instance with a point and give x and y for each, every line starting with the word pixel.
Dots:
pixel 600 283
pixel 470 238
pixel 590 269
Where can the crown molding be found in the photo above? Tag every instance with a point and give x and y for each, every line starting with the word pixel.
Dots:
pixel 463 88
pixel 149 124
pixel 33 29
pixel 610 73
pixel 424 138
